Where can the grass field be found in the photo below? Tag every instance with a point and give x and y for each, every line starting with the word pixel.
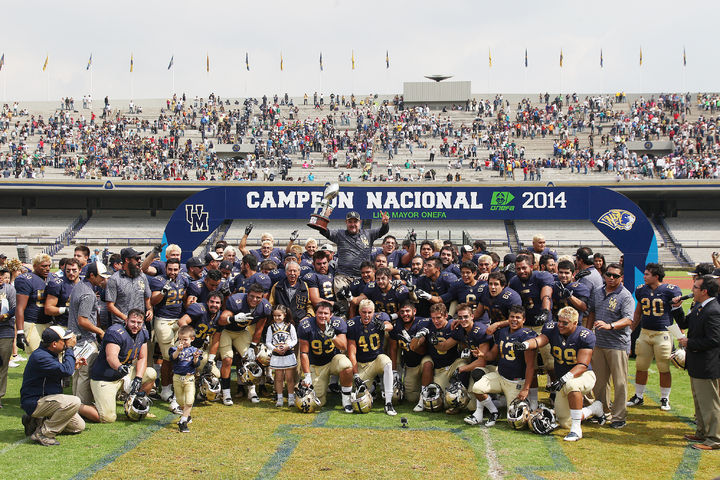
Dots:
pixel 262 441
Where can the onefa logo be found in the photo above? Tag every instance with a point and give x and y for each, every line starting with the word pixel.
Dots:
pixel 617 219
pixel 501 200
pixel 197 217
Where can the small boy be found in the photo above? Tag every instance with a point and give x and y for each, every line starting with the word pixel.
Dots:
pixel 185 359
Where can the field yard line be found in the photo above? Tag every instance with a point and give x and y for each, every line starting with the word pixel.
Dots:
pixel 129 445
pixel 495 470
pixel 13 445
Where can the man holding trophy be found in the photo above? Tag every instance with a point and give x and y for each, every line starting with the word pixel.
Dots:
pixel 354 244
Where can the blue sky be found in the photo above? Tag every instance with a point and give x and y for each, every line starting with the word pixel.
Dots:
pixel 422 38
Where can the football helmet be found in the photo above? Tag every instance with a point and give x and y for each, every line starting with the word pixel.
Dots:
pixel 432 398
pixel 137 406
pixel 678 358
pixel 517 414
pixel 251 373
pixel 305 399
pixel 360 399
pixel 542 420
pixel 456 395
pixel 263 355
pixel 210 387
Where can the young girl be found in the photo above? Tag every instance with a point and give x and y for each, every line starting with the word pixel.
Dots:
pixel 281 340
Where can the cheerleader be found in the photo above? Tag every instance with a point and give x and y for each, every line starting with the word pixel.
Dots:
pixel 281 339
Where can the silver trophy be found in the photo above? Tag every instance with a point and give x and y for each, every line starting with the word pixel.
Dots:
pixel 321 214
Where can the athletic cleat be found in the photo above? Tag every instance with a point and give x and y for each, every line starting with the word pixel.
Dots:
pixel 572 437
pixel 418 408
pixel 227 401
pixel 348 409
pixel 473 420
pixel 492 419
pixel 664 404
pixel 635 401
pixel 279 402
pixel 183 427
pixel 254 399
pixel 390 410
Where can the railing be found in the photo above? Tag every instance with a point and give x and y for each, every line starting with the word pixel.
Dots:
pixel 128 241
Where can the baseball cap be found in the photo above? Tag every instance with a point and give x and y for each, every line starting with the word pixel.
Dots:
pixel 129 253
pixel 212 257
pixel 465 249
pixel 97 268
pixel 703 269
pixel 352 214
pixel 55 333
pixel 2 255
pixel 327 247
pixel 225 265
pixel 509 258
pixel 586 257
pixel 194 262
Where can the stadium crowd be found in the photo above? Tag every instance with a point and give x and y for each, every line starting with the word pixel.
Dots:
pixel 365 139
pixel 445 327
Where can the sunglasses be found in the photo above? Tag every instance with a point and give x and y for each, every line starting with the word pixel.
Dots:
pixel 613 275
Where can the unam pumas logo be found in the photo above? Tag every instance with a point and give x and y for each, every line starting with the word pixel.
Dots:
pixel 197 217
pixel 617 219
pixel 500 201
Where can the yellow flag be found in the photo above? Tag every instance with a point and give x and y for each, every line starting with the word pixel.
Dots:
pixel 46 62
pixel 281 62
pixel 131 63
pixel 561 58
pixel 641 56
pixel 352 59
pixel 489 58
pixel 208 63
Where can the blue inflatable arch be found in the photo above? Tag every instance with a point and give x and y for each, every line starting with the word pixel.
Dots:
pixel 616 216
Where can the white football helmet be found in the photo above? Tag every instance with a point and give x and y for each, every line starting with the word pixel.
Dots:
pixel 361 400
pixel 251 373
pixel 263 355
pixel 542 420
pixel 305 399
pixel 517 414
pixel 678 358
pixel 432 397
pixel 137 406
pixel 210 387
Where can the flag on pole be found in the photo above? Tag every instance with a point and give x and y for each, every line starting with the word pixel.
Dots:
pixel 2 61
pixel 561 58
pixel 281 62
pixel 601 59
pixel 321 65
pixel 489 58
pixel 89 63
pixel 46 62
pixel 247 62
pixel 684 59
pixel 131 63
pixel 526 58
pixel 641 56
pixel 387 59
pixel 172 62
pixel 352 59
pixel 208 63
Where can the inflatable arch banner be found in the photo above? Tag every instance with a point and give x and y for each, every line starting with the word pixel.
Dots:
pixel 616 216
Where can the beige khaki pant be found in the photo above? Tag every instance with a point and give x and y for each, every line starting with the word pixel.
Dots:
pixel 105 393
pixel 493 382
pixel 583 384
pixel 652 343
pixel 240 340
pixel 81 380
pixel 706 395
pixel 60 413
pixel 321 374
pixel 412 380
pixel 609 363
pixel 33 335
pixel 6 348
pixel 184 387
pixel 545 354
pixel 370 370
pixel 164 333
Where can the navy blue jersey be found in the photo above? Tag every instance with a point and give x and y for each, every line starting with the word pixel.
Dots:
pixel 579 290
pixel 564 350
pixel 129 351
pixel 409 358
pixel 368 338
pixel 199 290
pixel 453 268
pixel 276 275
pixel 529 291
pixel 238 304
pixel 436 288
pixel 61 288
pixel 388 302
pixel 498 307
pixel 204 324
pixel 510 365
pixel 324 284
pixel 33 286
pixel 442 358
pixel 357 287
pixel 394 258
pixel 184 364
pixel 655 305
pixel 277 255
pixel 172 305
pixel 548 251
pixel 322 349
pixel 159 267
pixel 472 338
pixel 240 284
pixel 463 293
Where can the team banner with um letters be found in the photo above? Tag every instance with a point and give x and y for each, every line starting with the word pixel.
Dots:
pixel 618 218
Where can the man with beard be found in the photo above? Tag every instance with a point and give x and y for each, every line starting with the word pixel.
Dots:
pixel 249 275
pixel 128 289
pixel 205 317
pixel 410 355
pixel 152 265
pixel 57 292
pixel 30 317
pixel 200 290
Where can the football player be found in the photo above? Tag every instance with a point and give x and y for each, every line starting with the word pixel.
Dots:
pixel 321 340
pixel 152 265
pixel 465 290
pixel 199 290
pixel 168 291
pixel 249 275
pixel 410 353
pixel 496 298
pixel 514 374
pixel 365 336
pixel 438 365
pixel 242 323
pixel 571 345
pixel 432 285
pixel 652 313
pixel 320 280
pixel 205 318
pixel 30 317
pixel 57 292
pixel 367 275
pixel 567 292
pixel 396 258
pixel 540 248
pixel 122 360
pixel 384 293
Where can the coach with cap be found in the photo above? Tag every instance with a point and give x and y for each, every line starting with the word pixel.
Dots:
pixel 354 245
pixel 128 289
pixel 48 412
